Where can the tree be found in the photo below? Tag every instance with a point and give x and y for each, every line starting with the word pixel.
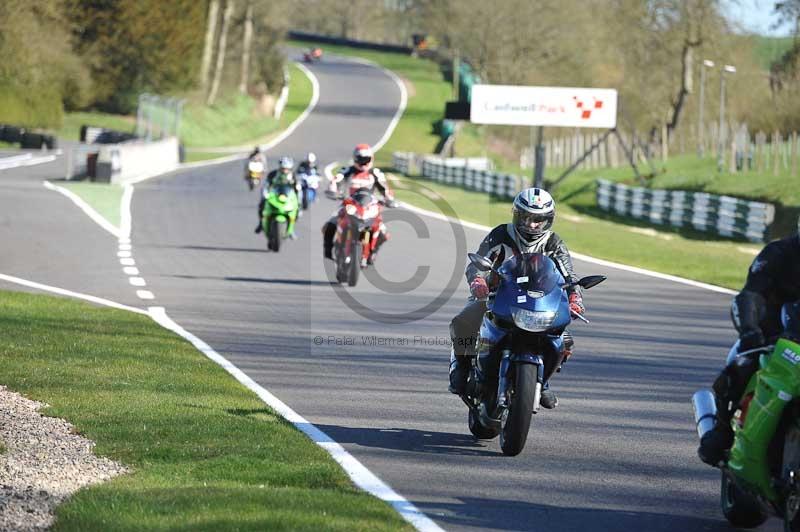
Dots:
pixel 223 39
pixel 247 42
pixel 208 47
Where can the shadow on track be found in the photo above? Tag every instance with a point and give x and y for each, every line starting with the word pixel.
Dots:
pixel 516 515
pixel 412 440
pixel 296 282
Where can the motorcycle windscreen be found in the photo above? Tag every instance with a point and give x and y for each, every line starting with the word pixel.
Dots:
pixel 282 190
pixel 533 272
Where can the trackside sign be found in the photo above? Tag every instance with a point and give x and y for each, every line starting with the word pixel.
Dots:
pixel 543 106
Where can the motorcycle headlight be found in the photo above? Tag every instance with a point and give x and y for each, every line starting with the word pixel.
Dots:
pixel 350 209
pixel 533 320
pixel 283 197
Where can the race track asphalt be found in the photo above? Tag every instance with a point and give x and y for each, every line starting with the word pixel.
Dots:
pixel 368 365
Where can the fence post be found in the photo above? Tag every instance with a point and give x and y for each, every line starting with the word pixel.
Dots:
pixel 776 139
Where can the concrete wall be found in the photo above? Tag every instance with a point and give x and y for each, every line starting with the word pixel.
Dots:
pixel 130 161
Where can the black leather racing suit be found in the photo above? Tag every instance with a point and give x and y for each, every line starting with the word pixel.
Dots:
pixel 504 242
pixel 773 279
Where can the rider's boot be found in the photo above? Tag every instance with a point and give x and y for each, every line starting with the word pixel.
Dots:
pixel 548 398
pixel 458 376
pixel 381 239
pixel 258 228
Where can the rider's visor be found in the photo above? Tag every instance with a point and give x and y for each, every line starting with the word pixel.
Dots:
pixel 532 221
pixel 363 159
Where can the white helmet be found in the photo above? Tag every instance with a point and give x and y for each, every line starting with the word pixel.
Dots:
pixel 311 157
pixel 533 213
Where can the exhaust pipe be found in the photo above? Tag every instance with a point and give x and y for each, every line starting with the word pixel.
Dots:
pixel 705 411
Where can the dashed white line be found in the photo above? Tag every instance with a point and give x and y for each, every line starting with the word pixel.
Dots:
pixel 145 294
pixel 127 261
pixel 123 254
pixel 130 270
pixel 125 247
pixel 137 281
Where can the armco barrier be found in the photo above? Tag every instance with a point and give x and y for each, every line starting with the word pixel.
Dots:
pixel 722 215
pixel 459 172
pixel 125 162
pixel 324 39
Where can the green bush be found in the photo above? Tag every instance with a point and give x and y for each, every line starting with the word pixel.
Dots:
pixel 31 107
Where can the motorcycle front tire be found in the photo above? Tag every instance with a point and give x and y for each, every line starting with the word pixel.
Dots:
pixel 517 421
pixel 274 235
pixel 355 264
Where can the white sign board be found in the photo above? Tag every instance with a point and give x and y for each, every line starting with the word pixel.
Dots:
pixel 543 106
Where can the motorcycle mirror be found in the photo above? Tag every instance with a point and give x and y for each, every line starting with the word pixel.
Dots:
pixel 482 263
pixel 591 280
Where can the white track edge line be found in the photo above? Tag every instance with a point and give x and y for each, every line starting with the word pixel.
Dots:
pixel 586 258
pixel 85 207
pixel 125 215
pixel 358 473
pixel 70 293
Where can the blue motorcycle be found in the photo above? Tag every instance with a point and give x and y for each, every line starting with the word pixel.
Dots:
pixel 520 345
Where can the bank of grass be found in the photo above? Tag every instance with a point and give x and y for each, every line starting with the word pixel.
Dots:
pixel 103 198
pixel 71 126
pixel 235 120
pixel 205 453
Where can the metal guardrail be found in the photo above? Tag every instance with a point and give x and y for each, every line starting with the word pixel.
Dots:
pixel 723 215
pixel 459 172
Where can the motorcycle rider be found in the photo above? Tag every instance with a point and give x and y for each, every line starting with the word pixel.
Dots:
pixel 255 156
pixel 533 213
pixel 361 174
pixel 307 167
pixel 283 175
pixel 773 279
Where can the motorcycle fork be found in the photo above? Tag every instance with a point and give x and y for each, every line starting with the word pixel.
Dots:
pixel 505 385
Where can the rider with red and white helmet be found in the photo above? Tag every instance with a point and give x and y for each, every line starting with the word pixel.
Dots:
pixel 361 174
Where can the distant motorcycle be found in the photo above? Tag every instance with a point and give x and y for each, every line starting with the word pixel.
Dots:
pixel 357 230
pixel 520 346
pixel 279 215
pixel 762 471
pixel 255 173
pixel 310 182
pixel 312 55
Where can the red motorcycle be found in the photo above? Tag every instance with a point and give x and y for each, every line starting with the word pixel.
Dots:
pixel 358 228
pixel 312 55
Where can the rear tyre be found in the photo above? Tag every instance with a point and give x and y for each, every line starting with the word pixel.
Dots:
pixel 517 420
pixel 741 509
pixel 355 264
pixel 478 430
pixel 274 235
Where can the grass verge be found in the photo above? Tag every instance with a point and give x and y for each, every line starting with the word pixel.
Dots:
pixel 206 453
pixel 102 197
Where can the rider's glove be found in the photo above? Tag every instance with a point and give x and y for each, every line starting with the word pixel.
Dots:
pixel 750 340
pixel 576 304
pixel 479 288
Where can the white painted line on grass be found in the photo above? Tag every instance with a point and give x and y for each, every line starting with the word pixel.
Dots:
pixel 85 207
pixel 137 281
pixel 127 262
pixel 358 473
pixel 130 270
pixel 70 293
pixel 145 294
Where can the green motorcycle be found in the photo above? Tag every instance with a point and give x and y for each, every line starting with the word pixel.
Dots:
pixel 279 214
pixel 762 471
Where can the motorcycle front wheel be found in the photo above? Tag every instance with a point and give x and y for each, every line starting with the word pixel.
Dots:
pixel 274 235
pixel 517 420
pixel 355 263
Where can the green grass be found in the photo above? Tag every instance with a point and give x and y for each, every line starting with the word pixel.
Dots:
pixel 71 127
pixel 205 453
pixel 234 120
pixel 104 198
